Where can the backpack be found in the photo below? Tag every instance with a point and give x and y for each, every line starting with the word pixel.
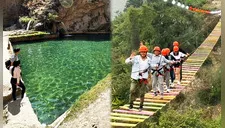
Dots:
pixel 8 64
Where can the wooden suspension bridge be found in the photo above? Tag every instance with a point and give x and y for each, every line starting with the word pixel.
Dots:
pixel 123 117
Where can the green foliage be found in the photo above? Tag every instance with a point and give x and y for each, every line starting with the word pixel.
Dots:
pixel 25 19
pixel 159 24
pixel 35 33
pixel 134 3
pixel 52 16
pixel 189 119
pixel 195 3
pixel 211 95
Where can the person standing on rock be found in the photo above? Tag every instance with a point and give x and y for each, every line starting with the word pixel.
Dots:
pixel 15 56
pixel 139 75
pixel 16 80
pixel 157 63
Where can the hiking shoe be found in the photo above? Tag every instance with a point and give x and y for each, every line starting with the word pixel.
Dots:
pixel 172 85
pixel 155 93
pixel 168 90
pixel 161 96
pixel 131 106
pixel 140 108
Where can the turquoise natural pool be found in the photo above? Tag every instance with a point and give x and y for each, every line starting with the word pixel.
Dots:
pixel 57 72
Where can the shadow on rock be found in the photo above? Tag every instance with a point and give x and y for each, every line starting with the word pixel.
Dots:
pixel 14 107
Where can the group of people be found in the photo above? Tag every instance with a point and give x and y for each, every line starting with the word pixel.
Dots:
pixel 15 71
pixel 163 65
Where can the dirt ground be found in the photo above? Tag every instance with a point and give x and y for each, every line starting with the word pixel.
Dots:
pixel 96 115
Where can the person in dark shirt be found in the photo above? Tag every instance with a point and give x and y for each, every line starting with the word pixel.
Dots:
pixel 175 43
pixel 171 68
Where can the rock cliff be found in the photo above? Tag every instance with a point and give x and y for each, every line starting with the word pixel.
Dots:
pixel 71 15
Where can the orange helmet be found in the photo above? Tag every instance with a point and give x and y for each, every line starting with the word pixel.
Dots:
pixel 143 48
pixel 175 48
pixel 168 51
pixel 175 43
pixel 164 52
pixel 157 48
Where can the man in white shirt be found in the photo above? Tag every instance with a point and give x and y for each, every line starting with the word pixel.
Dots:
pixel 139 75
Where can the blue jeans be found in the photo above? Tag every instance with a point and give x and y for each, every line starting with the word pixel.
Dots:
pixel 172 75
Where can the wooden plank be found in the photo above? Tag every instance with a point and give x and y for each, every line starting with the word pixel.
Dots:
pixel 126 119
pixel 129 115
pixel 194 60
pixel 144 107
pixel 179 87
pixel 148 96
pixel 188 73
pixel 155 100
pixel 167 94
pixel 185 81
pixel 171 90
pixel 115 124
pixel 149 103
pixel 176 89
pixel 190 69
pixel 148 113
pixel 193 66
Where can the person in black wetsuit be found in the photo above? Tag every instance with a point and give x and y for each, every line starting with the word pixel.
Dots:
pixel 16 79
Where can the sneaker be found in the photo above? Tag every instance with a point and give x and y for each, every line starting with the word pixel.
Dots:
pixel 140 108
pixel 172 85
pixel 131 106
pixel 168 90
pixel 161 96
pixel 155 93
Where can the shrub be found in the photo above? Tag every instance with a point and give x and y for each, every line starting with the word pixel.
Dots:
pixel 25 19
pixel 188 119
pixel 52 16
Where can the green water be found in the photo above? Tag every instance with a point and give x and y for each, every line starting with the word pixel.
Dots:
pixel 56 73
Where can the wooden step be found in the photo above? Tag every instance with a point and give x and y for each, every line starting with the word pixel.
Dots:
pixel 155 100
pixel 167 94
pixel 126 119
pixel 164 97
pixel 148 113
pixel 144 107
pixel 129 115
pixel 115 124
pixel 150 104
pixel 193 66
